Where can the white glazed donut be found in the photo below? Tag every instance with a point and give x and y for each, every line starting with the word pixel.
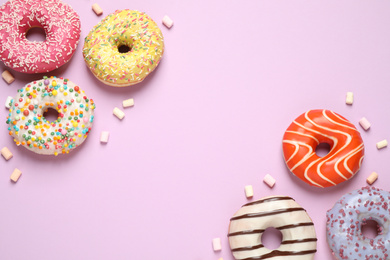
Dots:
pixel 281 212
pixel 30 128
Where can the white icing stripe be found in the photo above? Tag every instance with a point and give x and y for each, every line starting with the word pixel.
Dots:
pixel 307 175
pixel 299 133
pixel 337 123
pixel 307 155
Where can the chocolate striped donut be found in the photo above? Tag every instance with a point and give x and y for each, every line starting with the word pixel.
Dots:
pixel 281 212
pixel 309 130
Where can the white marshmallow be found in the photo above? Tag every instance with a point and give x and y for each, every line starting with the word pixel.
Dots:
pixel 8 101
pixel 381 144
pixel 6 153
pixel 15 175
pixel 372 178
pixel 118 113
pixel 249 191
pixel 128 103
pixel 349 98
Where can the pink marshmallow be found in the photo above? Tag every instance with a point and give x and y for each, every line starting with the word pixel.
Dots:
pixel 269 180
pixel 104 136
pixel 364 123
pixel 167 22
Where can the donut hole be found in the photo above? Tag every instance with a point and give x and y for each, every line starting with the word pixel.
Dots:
pixel 123 48
pixel 370 229
pixel 272 238
pixel 36 34
pixel 322 149
pixel 50 114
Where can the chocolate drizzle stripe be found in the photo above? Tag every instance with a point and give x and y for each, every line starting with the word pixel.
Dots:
pixel 258 231
pixel 286 242
pixel 275 253
pixel 268 200
pixel 264 214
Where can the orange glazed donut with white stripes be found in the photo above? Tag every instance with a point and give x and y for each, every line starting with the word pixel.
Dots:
pixel 315 127
pixel 248 224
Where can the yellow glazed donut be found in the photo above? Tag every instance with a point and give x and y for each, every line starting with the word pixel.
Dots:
pixel 123 48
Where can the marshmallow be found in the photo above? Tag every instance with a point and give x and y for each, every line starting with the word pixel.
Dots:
pixel 104 136
pixel 97 9
pixel 364 123
pixel 15 175
pixel 6 153
pixel 167 22
pixel 349 98
pixel 249 191
pixel 372 178
pixel 128 103
pixel 381 144
pixel 269 180
pixel 118 113
pixel 7 76
pixel 217 244
pixel 8 101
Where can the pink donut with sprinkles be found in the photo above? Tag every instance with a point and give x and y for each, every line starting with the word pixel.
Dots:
pixel 345 220
pixel 60 23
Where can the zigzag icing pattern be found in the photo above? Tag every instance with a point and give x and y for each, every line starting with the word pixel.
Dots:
pixel 323 126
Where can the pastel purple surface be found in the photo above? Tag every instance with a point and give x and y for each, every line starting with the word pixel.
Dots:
pixel 208 121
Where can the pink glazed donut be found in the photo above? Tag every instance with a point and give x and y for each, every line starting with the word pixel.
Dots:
pixel 60 23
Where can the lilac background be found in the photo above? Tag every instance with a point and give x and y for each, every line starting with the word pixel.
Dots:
pixel 207 122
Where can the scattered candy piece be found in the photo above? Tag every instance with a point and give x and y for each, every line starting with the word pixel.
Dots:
pixel 217 244
pixel 8 101
pixel 119 113
pixel 220 258
pixel 104 136
pixel 364 123
pixel 128 102
pixel 167 22
pixel 372 178
pixel 349 98
pixel 7 76
pixel 269 180
pixel 15 175
pixel 6 153
pixel 249 191
pixel 97 9
pixel 381 144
